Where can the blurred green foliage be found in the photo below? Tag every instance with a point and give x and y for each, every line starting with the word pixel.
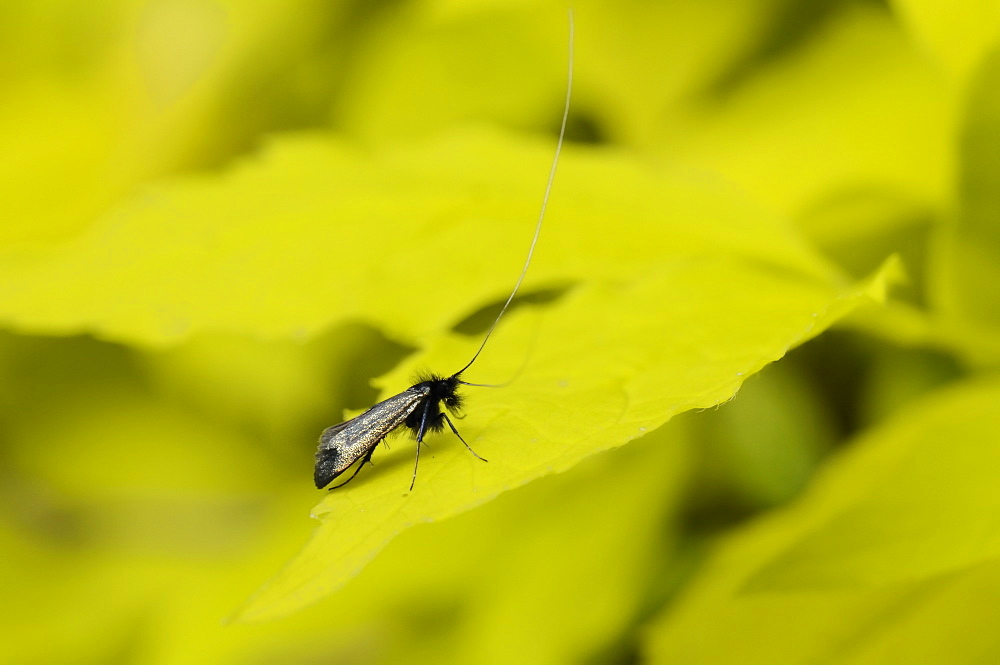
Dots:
pixel 225 225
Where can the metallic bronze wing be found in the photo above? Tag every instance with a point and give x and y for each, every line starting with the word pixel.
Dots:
pixel 342 445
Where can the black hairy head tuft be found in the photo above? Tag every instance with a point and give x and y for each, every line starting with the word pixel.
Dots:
pixel 424 376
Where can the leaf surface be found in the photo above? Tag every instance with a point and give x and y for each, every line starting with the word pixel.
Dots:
pixel 895 544
pixel 680 289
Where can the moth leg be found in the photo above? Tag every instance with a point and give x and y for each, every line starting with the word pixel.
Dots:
pixel 452 426
pixel 367 460
pixel 420 439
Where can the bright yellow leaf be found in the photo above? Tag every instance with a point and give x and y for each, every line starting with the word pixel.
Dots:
pixel 893 551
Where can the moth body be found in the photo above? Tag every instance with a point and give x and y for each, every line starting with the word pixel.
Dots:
pixel 418 408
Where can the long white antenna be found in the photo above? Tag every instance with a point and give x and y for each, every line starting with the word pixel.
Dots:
pixel 545 198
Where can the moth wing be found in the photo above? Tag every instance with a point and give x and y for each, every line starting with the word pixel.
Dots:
pixel 342 445
pixel 332 430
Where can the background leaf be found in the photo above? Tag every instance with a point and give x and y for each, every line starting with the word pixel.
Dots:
pixel 313 233
pixel 968 253
pixel 872 561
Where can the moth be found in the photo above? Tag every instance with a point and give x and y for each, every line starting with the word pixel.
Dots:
pixel 424 406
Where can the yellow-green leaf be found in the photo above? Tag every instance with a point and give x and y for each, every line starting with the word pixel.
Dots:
pixel 426 66
pixel 959 34
pixel 99 97
pixel 414 239
pixel 896 544
pixel 856 107
pixel 683 289
pixel 611 362
pixel 529 572
pixel 930 510
pixel 968 252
